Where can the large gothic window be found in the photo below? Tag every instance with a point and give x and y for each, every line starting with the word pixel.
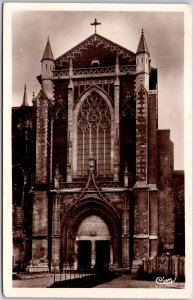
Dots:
pixel 94 135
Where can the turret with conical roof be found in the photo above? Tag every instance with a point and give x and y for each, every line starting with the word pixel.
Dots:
pixel 25 101
pixel 142 47
pixel 142 62
pixel 48 65
pixel 48 53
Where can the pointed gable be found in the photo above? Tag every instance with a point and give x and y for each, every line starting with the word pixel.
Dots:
pixel 48 54
pixel 41 93
pixel 95 48
pixel 42 97
pixel 142 47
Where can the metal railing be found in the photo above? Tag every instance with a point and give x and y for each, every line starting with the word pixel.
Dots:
pixel 64 275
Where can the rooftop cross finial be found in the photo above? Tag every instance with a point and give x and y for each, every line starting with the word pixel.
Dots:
pixel 96 23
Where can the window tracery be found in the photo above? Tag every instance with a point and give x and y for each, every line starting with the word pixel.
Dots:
pixel 94 135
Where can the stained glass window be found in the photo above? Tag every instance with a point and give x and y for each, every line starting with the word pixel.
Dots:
pixel 94 135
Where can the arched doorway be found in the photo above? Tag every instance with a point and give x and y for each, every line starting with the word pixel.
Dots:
pixel 91 236
pixel 93 244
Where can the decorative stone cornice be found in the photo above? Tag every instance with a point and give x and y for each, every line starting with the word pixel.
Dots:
pixel 145 185
pixel 145 236
pixel 95 72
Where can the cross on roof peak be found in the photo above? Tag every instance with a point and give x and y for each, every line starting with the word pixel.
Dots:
pixel 96 23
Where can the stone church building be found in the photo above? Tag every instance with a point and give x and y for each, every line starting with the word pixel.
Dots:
pixel 94 183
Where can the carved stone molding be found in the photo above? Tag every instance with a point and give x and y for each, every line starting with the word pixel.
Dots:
pixel 81 72
pixel 97 41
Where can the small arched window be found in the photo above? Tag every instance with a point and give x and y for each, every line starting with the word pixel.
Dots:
pixel 142 59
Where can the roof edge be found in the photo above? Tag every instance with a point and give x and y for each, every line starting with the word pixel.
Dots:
pixel 94 34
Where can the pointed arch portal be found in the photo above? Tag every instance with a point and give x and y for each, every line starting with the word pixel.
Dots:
pixel 92 238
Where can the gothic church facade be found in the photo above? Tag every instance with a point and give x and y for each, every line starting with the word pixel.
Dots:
pixel 94 183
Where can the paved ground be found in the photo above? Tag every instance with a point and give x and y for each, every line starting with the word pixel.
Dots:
pixel 130 281
pixel 42 280
pixel 124 281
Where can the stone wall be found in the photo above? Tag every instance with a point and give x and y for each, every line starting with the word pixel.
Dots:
pixel 152 138
pixel 166 192
pixel 39 260
pixel 178 180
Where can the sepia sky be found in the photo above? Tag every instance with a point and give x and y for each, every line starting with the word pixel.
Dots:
pixel 164 33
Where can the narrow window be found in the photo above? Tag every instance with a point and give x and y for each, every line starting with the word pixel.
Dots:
pixel 142 59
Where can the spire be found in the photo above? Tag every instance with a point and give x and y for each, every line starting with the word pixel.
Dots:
pixel 25 102
pixel 48 54
pixel 142 47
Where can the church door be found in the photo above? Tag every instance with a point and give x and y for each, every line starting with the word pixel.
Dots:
pixel 102 255
pixel 84 255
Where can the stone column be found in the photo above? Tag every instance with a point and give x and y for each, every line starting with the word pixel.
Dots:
pixel 111 255
pixel 141 191
pixel 125 234
pixel 55 233
pixel 51 152
pixel 40 198
pixel 70 123
pixel 141 226
pixel 93 253
pixel 39 233
pixel 152 173
pixel 75 266
pixel 153 226
pixel 116 122
pixel 141 135
pixel 116 258
pixel 41 139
